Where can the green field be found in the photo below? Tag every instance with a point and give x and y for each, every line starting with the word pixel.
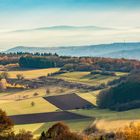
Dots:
pixel 14 103
pixel 15 94
pixel 75 125
pixel 111 120
pixel 105 119
pixel 110 115
pixel 30 74
pixel 89 97
pixel 25 107
pixel 87 78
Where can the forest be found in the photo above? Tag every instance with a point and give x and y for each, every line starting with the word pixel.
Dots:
pixel 79 63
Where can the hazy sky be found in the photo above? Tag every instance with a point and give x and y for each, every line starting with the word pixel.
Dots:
pixel 26 14
pixel 35 13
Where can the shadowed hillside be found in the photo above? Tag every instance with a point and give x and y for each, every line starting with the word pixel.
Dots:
pixel 116 50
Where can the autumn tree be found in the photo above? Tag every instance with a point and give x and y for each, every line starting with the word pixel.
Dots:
pixel 24 135
pixel 3 85
pixel 131 132
pixel 20 76
pixel 57 129
pixel 60 131
pixel 4 75
pixel 6 124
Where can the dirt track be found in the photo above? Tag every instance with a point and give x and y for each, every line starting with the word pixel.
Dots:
pixel 69 102
pixel 45 117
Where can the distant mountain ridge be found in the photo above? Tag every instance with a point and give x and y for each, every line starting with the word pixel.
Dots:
pixel 114 50
pixel 66 27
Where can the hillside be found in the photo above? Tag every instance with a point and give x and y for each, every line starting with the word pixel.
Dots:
pixel 116 50
pixel 122 97
pixel 132 54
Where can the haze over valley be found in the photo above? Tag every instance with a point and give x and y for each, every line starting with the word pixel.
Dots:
pixel 65 36
pixel 114 50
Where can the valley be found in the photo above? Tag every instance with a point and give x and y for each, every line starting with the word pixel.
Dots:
pixel 37 98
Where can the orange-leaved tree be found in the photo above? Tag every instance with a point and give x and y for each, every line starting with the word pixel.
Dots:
pixel 131 132
pixel 6 124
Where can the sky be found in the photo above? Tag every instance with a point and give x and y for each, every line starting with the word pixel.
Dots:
pixel 29 14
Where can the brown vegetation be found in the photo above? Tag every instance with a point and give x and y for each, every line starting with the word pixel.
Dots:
pixel 5 123
pixel 131 132
pixel 60 131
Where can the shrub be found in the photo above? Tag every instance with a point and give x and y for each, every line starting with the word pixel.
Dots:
pixel 48 91
pixel 32 104
pixel 91 129
pixel 35 94
pixel 97 134
pixel 70 136
pixel 24 135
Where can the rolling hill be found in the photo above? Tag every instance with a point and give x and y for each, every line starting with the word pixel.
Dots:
pixel 115 50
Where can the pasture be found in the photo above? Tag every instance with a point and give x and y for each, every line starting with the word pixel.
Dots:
pixel 87 78
pixel 77 125
pixel 105 119
pixel 109 115
pixel 31 74
pixel 25 107
pixel 17 103
pixel 88 97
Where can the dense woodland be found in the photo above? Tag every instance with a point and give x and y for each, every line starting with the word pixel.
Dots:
pixel 124 96
pixel 79 63
pixel 12 58
pixel 47 60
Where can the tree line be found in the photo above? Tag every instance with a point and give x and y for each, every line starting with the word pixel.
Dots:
pixel 13 58
pixel 79 63
pixel 46 60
